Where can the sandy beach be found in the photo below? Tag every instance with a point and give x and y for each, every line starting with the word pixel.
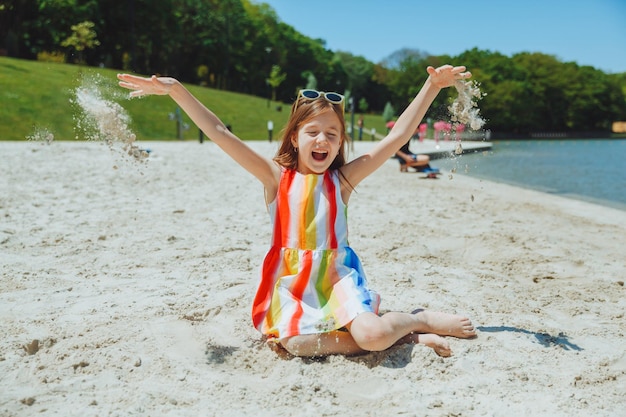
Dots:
pixel 126 287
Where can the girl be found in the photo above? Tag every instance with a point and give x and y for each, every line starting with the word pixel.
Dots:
pixel 313 298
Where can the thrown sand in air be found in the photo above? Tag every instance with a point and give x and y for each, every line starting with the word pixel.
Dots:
pixel 464 110
pixel 42 135
pixel 104 120
pixel 99 119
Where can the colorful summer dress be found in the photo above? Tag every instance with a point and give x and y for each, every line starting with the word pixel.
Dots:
pixel 311 280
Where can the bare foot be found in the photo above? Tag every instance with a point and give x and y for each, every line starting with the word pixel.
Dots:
pixel 437 343
pixel 445 324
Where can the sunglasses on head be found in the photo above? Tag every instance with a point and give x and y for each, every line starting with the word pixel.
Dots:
pixel 310 95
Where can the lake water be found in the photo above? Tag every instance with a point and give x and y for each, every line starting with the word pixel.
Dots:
pixel 592 170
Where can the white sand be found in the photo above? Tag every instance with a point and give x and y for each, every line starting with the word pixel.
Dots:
pixel 138 281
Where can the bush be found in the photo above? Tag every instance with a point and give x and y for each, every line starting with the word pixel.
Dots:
pixel 55 56
pixel 388 113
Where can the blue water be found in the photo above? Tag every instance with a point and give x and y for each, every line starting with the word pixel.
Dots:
pixel 591 170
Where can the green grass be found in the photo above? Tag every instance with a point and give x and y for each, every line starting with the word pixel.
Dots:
pixel 36 96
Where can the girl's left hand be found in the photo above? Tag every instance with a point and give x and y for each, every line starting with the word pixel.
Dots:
pixel 447 75
pixel 141 86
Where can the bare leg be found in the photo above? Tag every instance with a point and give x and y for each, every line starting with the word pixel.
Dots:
pixel 375 333
pixel 322 344
pixel 433 341
pixel 342 343
pixel 420 162
pixel 445 324
pixel 369 332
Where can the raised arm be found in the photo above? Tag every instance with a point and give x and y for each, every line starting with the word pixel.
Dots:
pixel 407 123
pixel 261 167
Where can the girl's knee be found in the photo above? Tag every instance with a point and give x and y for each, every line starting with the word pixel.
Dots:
pixel 294 344
pixel 370 334
pixel 372 341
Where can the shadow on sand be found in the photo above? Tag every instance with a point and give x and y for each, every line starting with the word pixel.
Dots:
pixel 545 339
pixel 394 357
pixel 400 356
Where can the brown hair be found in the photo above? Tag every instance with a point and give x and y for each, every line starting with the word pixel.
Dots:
pixel 303 110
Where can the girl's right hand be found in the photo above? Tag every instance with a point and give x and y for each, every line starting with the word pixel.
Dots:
pixel 146 86
pixel 447 75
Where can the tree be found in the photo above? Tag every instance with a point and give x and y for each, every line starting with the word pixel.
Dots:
pixel 83 37
pixel 259 46
pixel 405 81
pixel 593 100
pixel 388 113
pixel 275 79
pixel 363 105
pixel 296 53
pixel 395 60
pixel 28 27
pixel 358 69
pixel 311 81
pixel 239 42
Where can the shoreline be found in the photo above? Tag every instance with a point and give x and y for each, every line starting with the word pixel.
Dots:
pixel 522 181
pixel 137 280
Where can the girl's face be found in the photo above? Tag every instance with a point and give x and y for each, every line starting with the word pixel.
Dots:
pixel 318 143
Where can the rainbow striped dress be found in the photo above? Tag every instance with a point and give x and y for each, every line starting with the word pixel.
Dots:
pixel 311 280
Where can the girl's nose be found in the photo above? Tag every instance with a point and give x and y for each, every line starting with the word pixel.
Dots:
pixel 321 138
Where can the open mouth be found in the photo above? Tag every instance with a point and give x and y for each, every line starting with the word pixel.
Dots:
pixel 319 155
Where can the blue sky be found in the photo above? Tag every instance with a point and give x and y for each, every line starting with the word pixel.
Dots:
pixel 588 32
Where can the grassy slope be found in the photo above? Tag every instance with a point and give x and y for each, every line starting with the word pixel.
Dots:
pixel 37 95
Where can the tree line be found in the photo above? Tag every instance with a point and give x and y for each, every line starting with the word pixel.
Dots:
pixel 243 46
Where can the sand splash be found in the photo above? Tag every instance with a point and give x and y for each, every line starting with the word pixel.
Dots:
pixel 464 109
pixel 100 118
pixel 42 135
